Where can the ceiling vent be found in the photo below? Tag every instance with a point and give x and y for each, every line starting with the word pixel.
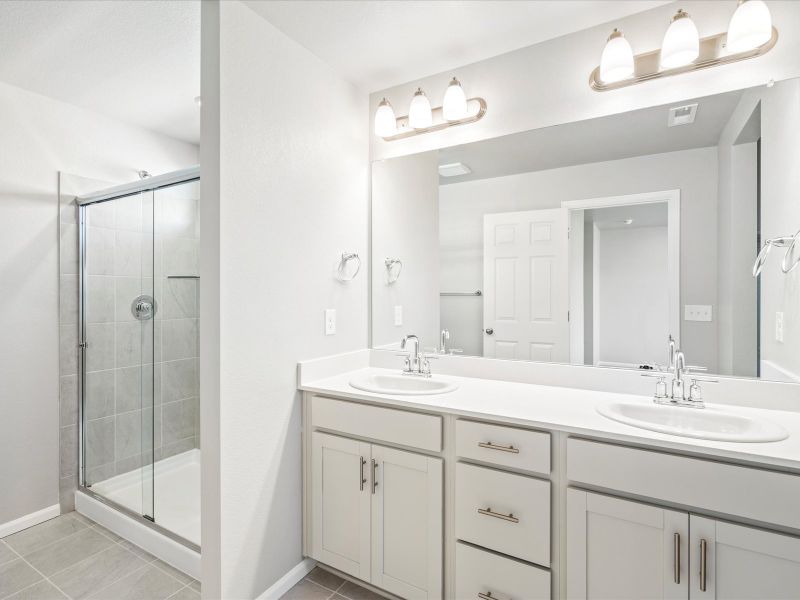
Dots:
pixel 682 115
pixel 454 169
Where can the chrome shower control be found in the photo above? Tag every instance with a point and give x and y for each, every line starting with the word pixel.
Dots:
pixel 144 307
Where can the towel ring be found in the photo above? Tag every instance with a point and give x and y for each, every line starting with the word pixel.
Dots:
pixel 761 259
pixel 789 251
pixel 391 263
pixel 342 265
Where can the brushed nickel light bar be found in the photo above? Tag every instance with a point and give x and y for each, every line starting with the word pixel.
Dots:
pixel 712 53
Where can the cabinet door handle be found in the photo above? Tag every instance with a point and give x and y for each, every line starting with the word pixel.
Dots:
pixel 361 477
pixel 676 541
pixel 491 446
pixel 703 559
pixel 490 513
pixel 374 475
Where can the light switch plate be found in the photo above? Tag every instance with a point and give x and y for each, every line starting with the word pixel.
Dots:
pixel 330 321
pixel 398 315
pixel 697 312
pixel 779 327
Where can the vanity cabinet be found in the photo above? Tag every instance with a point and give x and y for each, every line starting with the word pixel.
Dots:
pixel 623 549
pixel 377 514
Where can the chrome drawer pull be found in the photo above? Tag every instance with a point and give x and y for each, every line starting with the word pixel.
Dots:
pixel 676 542
pixel 490 513
pixel 703 566
pixel 491 446
pixel 487 596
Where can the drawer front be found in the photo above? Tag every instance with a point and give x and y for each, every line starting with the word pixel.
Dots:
pixel 505 512
pixel 482 575
pixel 770 497
pixel 400 427
pixel 506 446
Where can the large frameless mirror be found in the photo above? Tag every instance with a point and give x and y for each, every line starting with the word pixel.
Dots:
pixel 598 241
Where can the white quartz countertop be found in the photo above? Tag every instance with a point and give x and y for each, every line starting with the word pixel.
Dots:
pixel 574 411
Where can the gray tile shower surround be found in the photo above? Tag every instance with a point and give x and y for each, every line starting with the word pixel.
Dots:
pixel 118 415
pixel 71 557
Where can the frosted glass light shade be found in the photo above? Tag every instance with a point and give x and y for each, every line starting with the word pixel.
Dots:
pixel 750 27
pixel 419 113
pixel 385 120
pixel 454 106
pixel 616 62
pixel 681 42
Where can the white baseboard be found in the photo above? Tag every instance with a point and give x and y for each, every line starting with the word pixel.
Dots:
pixel 288 581
pixel 34 518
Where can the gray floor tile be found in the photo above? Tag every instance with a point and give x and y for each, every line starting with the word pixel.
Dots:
pixel 195 585
pixel 141 553
pixel 148 583
pixel 356 592
pixel 307 590
pixel 44 590
pixel 325 578
pixel 68 551
pixel 15 576
pixel 108 533
pixel 6 553
pixel 38 536
pixel 186 593
pixel 96 572
pixel 170 570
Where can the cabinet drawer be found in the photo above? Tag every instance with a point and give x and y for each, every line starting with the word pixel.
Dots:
pixel 505 512
pixel 506 446
pixel 770 497
pixel 400 427
pixel 481 574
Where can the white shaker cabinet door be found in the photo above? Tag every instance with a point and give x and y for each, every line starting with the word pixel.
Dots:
pixel 623 550
pixel 341 503
pixel 406 523
pixel 734 562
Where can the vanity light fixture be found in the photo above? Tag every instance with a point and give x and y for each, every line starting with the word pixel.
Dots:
pixel 385 121
pixel 750 34
pixel 681 44
pixel 456 109
pixel 616 63
pixel 750 26
pixel 420 115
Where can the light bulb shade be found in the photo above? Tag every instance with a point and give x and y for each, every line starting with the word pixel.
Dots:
pixel 419 113
pixel 385 120
pixel 454 106
pixel 616 62
pixel 681 42
pixel 750 27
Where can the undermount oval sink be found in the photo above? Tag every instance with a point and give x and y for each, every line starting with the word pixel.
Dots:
pixel 708 423
pixel 401 385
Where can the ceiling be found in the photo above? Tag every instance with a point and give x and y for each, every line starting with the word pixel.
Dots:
pixel 636 133
pixel 641 215
pixel 134 60
pixel 379 44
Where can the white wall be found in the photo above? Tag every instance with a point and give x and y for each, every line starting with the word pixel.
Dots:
pixel 40 138
pixel 547 84
pixel 405 226
pixel 694 172
pixel 293 162
pixel 631 308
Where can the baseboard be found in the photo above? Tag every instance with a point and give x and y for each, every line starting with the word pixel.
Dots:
pixel 288 581
pixel 34 518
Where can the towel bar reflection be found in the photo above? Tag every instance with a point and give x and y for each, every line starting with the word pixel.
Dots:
pixel 475 293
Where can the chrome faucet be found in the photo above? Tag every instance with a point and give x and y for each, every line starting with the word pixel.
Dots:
pixel 443 337
pixel 679 394
pixel 416 362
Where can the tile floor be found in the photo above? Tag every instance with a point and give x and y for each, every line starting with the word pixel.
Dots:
pixel 71 557
pixel 323 585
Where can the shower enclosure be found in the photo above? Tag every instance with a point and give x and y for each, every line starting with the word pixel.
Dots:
pixel 138 386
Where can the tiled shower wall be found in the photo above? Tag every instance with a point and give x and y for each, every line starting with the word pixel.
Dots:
pixel 125 259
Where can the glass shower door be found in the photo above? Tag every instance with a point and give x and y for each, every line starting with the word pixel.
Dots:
pixel 118 333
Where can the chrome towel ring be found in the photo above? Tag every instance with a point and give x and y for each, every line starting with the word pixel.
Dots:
pixel 776 242
pixel 341 267
pixel 394 266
